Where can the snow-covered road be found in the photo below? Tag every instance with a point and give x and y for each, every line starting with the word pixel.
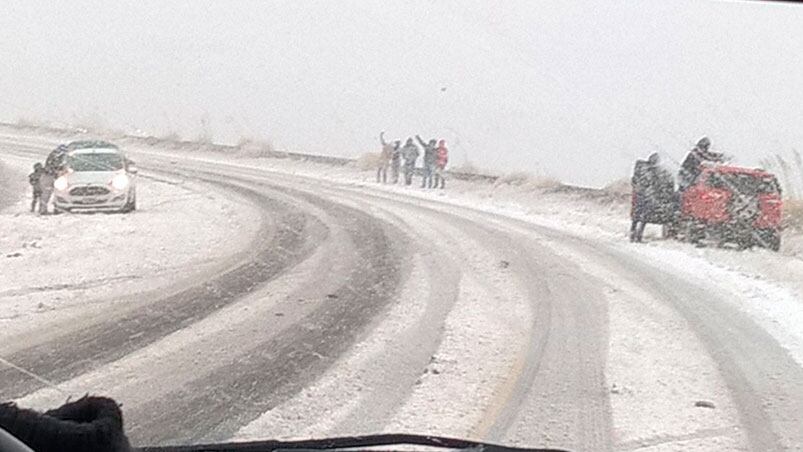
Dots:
pixel 360 308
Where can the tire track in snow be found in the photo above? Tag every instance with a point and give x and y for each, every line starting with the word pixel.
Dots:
pixel 276 369
pixel 363 391
pixel 568 334
pixel 763 380
pixel 654 356
pixel 560 363
pixel 222 339
pixel 121 333
pixel 354 288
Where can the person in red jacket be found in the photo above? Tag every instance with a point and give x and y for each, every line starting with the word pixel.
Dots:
pixel 442 154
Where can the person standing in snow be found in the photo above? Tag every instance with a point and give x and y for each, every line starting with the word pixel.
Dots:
pixel 384 160
pixel 34 180
pixel 691 167
pixel 430 157
pixel 653 190
pixel 410 154
pixel 46 180
pixel 395 162
pixel 55 159
pixel 442 158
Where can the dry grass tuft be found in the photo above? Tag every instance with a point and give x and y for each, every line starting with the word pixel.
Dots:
pixel 248 147
pixel 793 214
pixel 368 161
pixel 619 187
pixel 527 180
pixel 467 168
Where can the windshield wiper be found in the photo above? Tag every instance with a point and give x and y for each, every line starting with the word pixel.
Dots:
pixel 348 442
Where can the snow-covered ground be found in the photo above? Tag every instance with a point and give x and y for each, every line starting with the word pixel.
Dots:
pixel 766 286
pixel 653 355
pixel 63 265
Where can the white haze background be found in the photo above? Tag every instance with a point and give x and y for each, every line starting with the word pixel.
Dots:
pixel 574 90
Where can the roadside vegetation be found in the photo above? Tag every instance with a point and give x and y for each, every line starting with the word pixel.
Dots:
pixel 793 215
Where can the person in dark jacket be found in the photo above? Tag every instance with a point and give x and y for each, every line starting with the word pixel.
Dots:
pixel 653 191
pixel 430 158
pixel 691 167
pixel 89 424
pixel 34 179
pixel 410 154
pixel 56 158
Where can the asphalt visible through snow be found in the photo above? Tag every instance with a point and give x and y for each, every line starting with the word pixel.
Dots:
pixel 358 311
pixel 565 336
pixel 120 332
pixel 276 362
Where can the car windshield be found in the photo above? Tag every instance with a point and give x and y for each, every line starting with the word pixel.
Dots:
pixel 748 184
pixel 571 224
pixel 95 161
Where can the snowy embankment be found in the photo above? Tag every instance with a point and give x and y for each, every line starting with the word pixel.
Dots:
pixel 59 267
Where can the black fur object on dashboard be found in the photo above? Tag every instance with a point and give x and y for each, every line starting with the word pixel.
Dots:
pixel 89 424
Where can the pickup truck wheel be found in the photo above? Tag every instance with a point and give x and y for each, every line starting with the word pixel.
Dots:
pixel 693 231
pixel 668 231
pixel 683 231
pixel 774 242
pixel 766 238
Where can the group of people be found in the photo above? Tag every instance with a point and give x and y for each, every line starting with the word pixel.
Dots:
pixel 654 196
pixel 42 179
pixel 401 160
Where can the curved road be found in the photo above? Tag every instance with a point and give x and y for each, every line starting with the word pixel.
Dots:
pixel 363 311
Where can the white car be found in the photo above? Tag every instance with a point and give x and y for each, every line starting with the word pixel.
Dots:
pixel 95 175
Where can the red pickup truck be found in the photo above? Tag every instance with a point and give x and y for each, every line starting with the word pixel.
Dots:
pixel 730 204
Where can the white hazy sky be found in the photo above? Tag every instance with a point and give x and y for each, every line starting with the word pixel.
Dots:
pixel 575 90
